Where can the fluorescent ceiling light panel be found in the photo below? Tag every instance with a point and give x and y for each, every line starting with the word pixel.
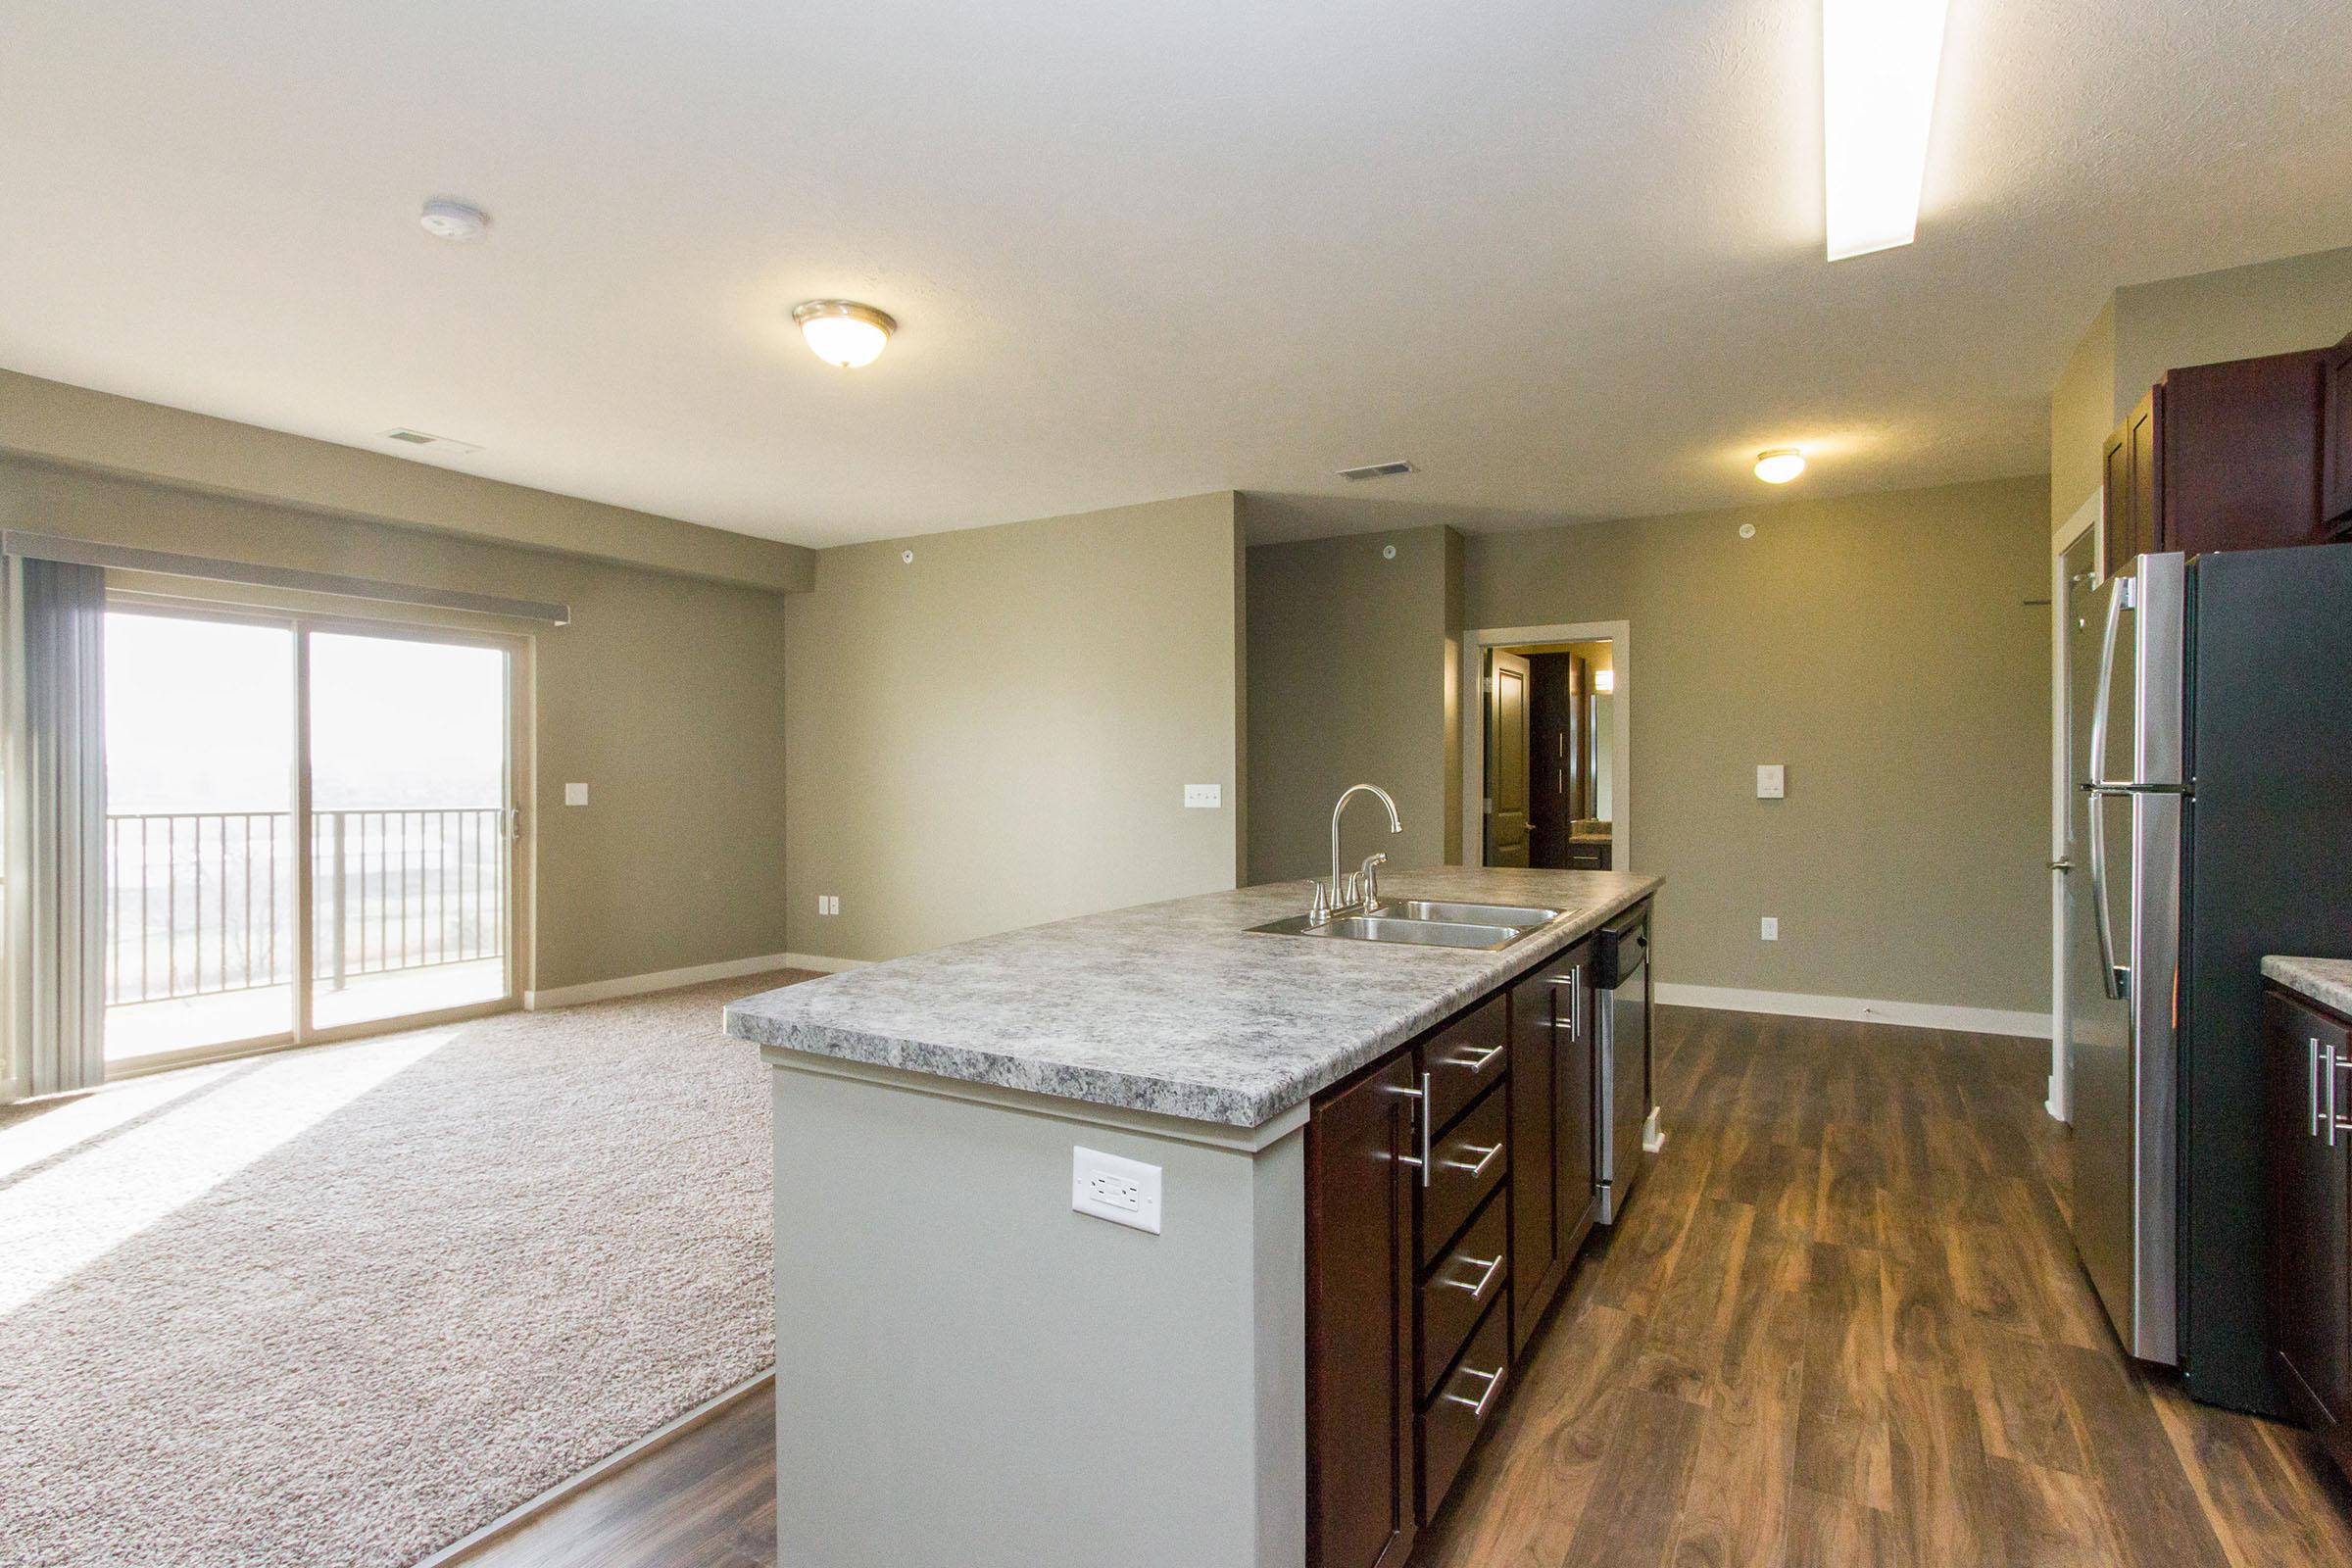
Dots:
pixel 1879 60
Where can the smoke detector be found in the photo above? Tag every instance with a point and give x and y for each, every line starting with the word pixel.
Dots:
pixel 1376 470
pixel 444 219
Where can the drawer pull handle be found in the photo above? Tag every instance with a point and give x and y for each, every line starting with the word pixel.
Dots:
pixel 1474 1057
pixel 1478 1292
pixel 1478 1406
pixel 1421 1096
pixel 1485 1157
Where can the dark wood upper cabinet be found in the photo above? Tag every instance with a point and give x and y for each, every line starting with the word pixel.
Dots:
pixel 2335 441
pixel 1359 1310
pixel 2311 1223
pixel 2235 456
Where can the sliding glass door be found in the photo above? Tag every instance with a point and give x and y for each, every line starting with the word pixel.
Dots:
pixel 310 829
pixel 408 812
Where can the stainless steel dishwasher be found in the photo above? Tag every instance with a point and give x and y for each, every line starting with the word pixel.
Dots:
pixel 1627 1126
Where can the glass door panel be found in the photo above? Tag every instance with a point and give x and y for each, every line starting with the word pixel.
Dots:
pixel 411 886
pixel 199 891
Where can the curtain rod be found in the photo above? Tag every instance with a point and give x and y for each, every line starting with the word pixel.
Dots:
pixel 122 558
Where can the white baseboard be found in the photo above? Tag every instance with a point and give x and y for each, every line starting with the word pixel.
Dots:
pixel 634 984
pixel 1914 1014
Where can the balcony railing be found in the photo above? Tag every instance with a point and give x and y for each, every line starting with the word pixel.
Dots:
pixel 199 903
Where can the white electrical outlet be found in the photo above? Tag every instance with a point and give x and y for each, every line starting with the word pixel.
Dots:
pixel 1772 781
pixel 575 795
pixel 1205 795
pixel 1124 1192
pixel 1771 929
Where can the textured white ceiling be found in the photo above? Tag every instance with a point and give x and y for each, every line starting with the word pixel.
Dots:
pixel 1565 257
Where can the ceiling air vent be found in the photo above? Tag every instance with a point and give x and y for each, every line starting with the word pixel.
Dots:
pixel 1376 470
pixel 424 438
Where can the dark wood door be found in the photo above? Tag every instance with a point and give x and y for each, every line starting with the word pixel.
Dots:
pixel 1506 760
pixel 2311 1230
pixel 1553 781
pixel 2239 454
pixel 1535 1156
pixel 2335 442
pixel 1359 1322
pixel 2116 546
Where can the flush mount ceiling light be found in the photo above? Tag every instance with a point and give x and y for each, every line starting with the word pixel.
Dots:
pixel 444 219
pixel 1879 60
pixel 1780 465
pixel 844 332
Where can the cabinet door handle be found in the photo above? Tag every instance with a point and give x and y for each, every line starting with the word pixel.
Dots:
pixel 1474 1057
pixel 2315 1085
pixel 1478 1406
pixel 1420 1115
pixel 1478 1292
pixel 1485 1157
pixel 2328 1070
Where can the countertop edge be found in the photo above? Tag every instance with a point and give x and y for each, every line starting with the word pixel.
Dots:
pixel 1178 1098
pixel 2325 981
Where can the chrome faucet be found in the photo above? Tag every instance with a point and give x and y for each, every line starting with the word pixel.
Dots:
pixel 1346 889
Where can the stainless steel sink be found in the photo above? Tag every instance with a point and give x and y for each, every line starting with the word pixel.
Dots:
pixel 1513 915
pixel 1475 935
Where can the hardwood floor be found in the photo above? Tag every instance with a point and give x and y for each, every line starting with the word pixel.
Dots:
pixel 1842 1325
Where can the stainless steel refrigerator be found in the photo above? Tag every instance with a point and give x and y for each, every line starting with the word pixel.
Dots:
pixel 2210 714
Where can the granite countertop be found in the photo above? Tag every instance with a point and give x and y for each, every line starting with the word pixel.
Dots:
pixel 1175 1008
pixel 2325 981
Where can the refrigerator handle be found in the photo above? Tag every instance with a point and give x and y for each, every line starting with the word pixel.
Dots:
pixel 2101 920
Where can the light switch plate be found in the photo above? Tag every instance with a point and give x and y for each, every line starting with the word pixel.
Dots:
pixel 1205 795
pixel 1772 781
pixel 1771 929
pixel 575 795
pixel 1124 1192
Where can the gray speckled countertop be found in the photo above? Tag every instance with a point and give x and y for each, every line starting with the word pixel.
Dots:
pixel 1175 1008
pixel 2325 981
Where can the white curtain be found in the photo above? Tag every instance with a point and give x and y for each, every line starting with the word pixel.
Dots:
pixel 56 823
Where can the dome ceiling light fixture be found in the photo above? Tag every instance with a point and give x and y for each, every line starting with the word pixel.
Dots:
pixel 844 332
pixel 1780 465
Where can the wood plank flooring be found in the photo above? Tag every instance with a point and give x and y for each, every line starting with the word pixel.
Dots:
pixel 1840 1325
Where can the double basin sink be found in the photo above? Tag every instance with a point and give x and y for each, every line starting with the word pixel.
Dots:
pixel 1427 922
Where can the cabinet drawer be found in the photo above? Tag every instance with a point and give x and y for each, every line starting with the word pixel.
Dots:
pixel 1466 1163
pixel 1472 1275
pixel 1466 1060
pixel 1470 1397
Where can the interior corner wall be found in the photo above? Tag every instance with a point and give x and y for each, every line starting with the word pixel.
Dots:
pixel 999 732
pixel 1348 684
pixel 2082 414
pixel 1891 650
pixel 665 695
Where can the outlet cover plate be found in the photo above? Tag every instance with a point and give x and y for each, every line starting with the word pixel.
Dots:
pixel 575 795
pixel 1204 796
pixel 1124 1192
pixel 1771 931
pixel 1772 781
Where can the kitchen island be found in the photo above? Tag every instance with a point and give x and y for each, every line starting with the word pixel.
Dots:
pixel 1365 1179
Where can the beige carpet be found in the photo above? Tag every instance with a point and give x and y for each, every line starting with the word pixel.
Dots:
pixel 344 1305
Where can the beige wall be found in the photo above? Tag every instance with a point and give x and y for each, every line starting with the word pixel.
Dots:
pixel 1000 732
pixel 1349 659
pixel 51 421
pixel 1883 648
pixel 665 695
pixel 2298 302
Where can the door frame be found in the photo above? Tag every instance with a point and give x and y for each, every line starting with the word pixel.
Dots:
pixel 1619 634
pixel 521 894
pixel 2061 1101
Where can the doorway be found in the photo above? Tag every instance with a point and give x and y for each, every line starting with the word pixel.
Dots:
pixel 309 830
pixel 1545 748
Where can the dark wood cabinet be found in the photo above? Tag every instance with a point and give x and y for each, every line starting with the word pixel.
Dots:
pixel 2234 456
pixel 2336 440
pixel 1448 1189
pixel 2309 1074
pixel 1361 1145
